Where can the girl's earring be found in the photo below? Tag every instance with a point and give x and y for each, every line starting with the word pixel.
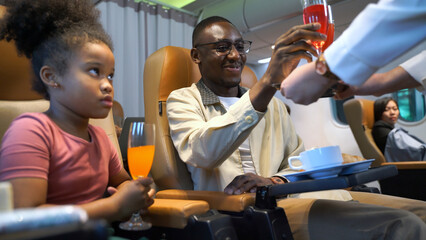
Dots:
pixel 55 85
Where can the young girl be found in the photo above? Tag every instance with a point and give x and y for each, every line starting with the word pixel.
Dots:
pixel 56 157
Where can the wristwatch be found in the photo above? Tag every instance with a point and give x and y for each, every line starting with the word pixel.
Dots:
pixel 322 69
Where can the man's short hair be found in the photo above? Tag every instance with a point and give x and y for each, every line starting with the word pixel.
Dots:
pixel 204 23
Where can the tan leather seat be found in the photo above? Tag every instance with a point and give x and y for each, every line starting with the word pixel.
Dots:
pixel 15 74
pixel 168 69
pixel 171 68
pixel 118 113
pixel 411 181
pixel 360 116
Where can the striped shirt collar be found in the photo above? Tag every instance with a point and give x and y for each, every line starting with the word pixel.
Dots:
pixel 209 97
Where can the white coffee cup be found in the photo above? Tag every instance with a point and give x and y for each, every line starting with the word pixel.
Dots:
pixel 316 158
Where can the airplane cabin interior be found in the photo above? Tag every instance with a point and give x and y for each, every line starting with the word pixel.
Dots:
pixel 152 47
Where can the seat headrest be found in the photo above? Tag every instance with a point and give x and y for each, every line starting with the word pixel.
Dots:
pixel 15 73
pixel 367 113
pixel 360 116
pixel 176 64
pixel 166 70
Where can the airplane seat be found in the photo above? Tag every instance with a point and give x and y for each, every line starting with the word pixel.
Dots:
pixel 360 116
pixel 118 116
pixel 168 69
pixel 411 179
pixel 17 97
pixel 15 74
pixel 171 68
pixel 165 70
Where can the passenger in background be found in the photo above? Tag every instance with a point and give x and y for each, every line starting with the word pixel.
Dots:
pixel 395 143
pixel 233 139
pixel 386 113
pixel 57 157
pixel 379 34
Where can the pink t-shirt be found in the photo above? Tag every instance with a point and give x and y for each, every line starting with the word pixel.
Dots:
pixel 77 171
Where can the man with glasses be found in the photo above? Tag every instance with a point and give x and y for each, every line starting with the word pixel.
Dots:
pixel 219 115
pixel 233 139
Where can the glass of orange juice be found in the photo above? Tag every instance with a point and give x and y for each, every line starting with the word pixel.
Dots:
pixel 140 155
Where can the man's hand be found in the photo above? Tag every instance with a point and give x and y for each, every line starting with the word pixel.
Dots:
pixel 290 48
pixel 246 183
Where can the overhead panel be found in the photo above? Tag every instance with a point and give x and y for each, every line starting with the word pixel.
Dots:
pixel 257 41
pixel 270 33
pixel 231 10
pixel 250 15
pixel 260 14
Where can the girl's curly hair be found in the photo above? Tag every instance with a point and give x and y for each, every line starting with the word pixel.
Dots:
pixel 49 31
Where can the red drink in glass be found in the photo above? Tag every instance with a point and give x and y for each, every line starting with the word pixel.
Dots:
pixel 330 36
pixel 316 13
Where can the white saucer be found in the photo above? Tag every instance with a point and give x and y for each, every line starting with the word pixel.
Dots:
pixel 331 171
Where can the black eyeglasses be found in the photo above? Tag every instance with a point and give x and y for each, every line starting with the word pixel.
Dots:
pixel 225 47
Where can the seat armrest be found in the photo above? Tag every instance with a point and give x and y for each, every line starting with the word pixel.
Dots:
pixel 409 165
pixel 216 200
pixel 174 213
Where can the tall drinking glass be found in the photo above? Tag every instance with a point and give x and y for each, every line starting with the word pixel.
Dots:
pixel 330 29
pixel 140 155
pixel 316 11
pixel 330 38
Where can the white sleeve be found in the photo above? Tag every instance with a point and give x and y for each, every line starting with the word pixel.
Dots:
pixel 416 67
pixel 379 34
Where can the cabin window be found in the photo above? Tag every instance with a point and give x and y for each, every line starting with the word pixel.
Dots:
pixel 337 110
pixel 411 104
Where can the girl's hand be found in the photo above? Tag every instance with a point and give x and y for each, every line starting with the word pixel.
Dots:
pixel 132 196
